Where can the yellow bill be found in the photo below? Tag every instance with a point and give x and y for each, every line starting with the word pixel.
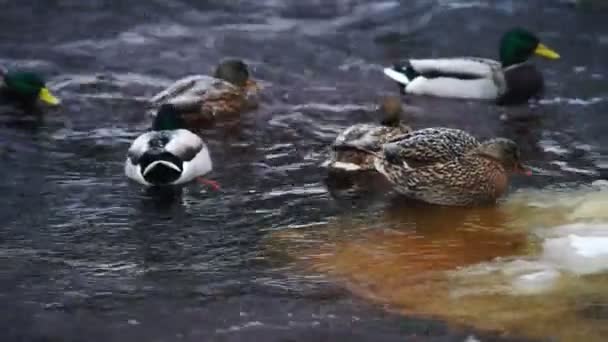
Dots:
pixel 543 50
pixel 45 96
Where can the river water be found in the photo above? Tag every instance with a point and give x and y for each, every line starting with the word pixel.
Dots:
pixel 282 253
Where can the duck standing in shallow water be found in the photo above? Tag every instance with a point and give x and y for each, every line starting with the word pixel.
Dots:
pixel 512 80
pixel 349 151
pixel 203 99
pixel 449 167
pixel 25 90
pixel 169 154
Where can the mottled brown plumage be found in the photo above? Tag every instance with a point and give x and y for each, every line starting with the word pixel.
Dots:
pixel 351 149
pixel 204 99
pixel 468 174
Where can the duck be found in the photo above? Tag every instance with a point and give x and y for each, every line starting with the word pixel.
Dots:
pixel 446 166
pixel 168 154
pixel 25 89
pixel 349 151
pixel 511 80
pixel 203 99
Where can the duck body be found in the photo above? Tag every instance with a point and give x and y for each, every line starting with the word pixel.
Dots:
pixel 428 146
pixel 350 150
pixel 166 157
pixel 448 167
pixel 353 149
pixel 511 80
pixel 469 78
pixel 464 181
pixel 203 99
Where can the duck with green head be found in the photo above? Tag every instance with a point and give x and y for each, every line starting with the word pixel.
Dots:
pixel 169 154
pixel 512 80
pixel 203 99
pixel 26 89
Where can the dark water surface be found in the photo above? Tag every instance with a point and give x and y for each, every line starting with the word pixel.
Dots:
pixel 87 256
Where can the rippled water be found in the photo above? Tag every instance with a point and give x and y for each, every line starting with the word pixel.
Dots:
pixel 85 255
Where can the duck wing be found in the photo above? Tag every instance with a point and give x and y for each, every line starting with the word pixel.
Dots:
pixel 190 92
pixel 181 143
pixel 139 147
pixel 463 68
pixel 184 144
pixel 428 146
pixel 466 68
pixel 461 181
pixel 465 77
pixel 193 151
pixel 367 137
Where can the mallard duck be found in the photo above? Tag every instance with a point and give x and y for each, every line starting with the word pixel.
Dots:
pixel 449 167
pixel 169 154
pixel 25 89
pixel 349 151
pixel 202 99
pixel 511 80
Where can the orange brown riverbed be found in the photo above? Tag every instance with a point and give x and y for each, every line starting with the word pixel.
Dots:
pixel 454 264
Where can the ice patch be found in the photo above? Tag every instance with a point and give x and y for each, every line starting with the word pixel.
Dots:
pixel 578 253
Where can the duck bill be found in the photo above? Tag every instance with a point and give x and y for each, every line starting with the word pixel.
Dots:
pixel 523 170
pixel 544 51
pixel 45 96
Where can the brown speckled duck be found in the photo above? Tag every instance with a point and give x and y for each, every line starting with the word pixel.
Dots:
pixel 203 99
pixel 349 151
pixel 449 167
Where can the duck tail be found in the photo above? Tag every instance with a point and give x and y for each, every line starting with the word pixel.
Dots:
pixel 403 72
pixel 158 164
pixel 396 76
pixel 160 168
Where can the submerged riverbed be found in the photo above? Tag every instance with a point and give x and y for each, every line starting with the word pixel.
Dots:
pixel 505 269
pixel 283 252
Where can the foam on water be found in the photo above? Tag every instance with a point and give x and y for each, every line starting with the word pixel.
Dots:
pixel 572 101
pixel 580 254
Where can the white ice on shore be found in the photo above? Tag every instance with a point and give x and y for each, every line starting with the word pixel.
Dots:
pixel 572 233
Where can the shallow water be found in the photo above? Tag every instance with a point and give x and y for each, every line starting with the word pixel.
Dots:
pixel 502 269
pixel 85 255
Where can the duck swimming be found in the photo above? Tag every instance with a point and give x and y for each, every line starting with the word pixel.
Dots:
pixel 25 89
pixel 203 99
pixel 512 80
pixel 449 167
pixel 349 150
pixel 169 154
